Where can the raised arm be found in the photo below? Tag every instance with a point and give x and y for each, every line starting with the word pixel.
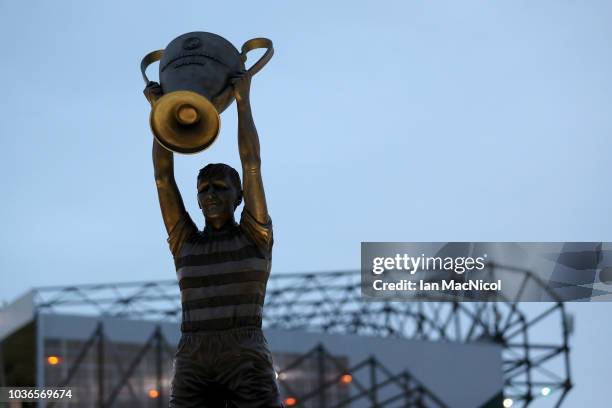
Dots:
pixel 170 200
pixel 248 146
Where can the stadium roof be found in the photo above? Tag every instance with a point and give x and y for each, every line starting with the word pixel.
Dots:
pixel 535 364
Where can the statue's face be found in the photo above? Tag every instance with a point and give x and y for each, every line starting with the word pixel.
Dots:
pixel 217 197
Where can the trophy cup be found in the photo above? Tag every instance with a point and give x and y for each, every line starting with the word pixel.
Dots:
pixel 194 73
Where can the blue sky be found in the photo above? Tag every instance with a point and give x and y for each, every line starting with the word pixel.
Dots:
pixel 379 121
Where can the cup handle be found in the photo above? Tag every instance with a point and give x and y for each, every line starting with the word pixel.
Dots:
pixel 225 98
pixel 148 60
pixel 254 44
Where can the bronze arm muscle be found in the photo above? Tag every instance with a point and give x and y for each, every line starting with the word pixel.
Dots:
pixel 248 147
pixel 170 199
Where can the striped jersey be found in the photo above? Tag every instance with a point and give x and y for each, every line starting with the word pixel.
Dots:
pixel 222 274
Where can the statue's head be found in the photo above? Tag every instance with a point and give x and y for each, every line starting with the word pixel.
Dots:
pixel 219 193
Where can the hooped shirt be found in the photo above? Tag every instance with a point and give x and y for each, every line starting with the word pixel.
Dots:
pixel 222 274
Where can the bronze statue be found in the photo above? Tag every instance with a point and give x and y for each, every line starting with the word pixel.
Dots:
pixel 223 357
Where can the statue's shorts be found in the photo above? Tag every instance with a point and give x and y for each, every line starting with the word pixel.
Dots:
pixel 224 369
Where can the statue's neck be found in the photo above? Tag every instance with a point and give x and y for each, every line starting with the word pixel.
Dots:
pixel 217 225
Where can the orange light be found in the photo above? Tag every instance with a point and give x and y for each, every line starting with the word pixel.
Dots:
pixel 53 360
pixel 346 379
pixel 290 401
pixel 153 393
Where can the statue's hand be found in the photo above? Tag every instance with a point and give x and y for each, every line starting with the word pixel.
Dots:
pixel 241 82
pixel 152 92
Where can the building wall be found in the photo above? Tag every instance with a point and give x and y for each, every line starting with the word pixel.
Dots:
pixel 462 375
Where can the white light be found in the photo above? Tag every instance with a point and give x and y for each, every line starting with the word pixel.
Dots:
pixel 276 374
pixel 546 391
pixel 508 402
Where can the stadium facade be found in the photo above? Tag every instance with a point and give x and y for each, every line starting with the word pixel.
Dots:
pixel 113 344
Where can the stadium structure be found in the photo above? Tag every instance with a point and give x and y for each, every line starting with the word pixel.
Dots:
pixel 112 344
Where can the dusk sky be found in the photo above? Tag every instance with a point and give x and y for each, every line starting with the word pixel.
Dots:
pixel 378 121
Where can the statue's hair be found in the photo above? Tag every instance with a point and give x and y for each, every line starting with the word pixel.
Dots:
pixel 220 169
